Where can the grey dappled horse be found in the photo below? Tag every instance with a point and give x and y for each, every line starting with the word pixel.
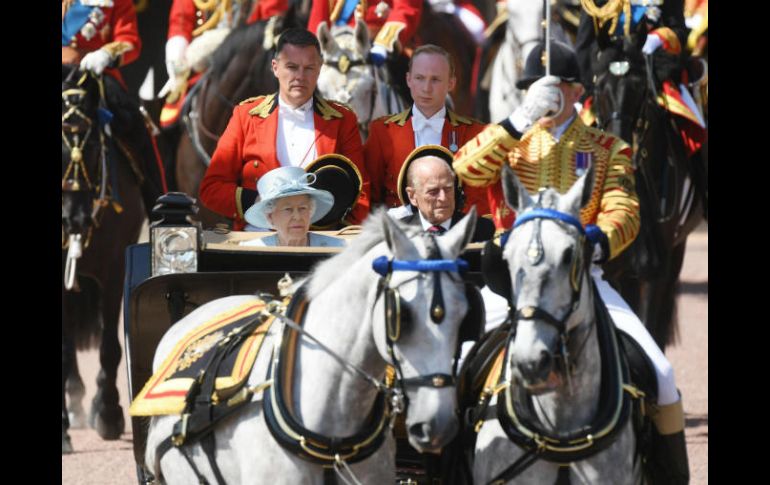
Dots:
pixel 347 75
pixel 346 313
pixel 522 32
pixel 552 293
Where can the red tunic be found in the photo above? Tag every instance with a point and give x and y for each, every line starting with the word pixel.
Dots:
pixel 391 139
pixel 184 17
pixel 116 30
pixel 247 151
pixel 404 12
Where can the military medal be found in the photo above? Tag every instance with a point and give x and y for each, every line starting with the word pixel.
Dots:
pixel 88 31
pixel 453 145
pixel 582 162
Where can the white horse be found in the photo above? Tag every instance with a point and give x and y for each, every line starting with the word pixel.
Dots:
pixel 347 75
pixel 564 415
pixel 346 314
pixel 522 32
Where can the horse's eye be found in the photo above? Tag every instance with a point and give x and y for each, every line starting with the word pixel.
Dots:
pixel 566 258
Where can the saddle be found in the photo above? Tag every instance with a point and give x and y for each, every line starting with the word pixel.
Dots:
pixel 193 360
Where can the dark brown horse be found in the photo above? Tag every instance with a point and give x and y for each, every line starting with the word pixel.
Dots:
pixel 102 213
pixel 670 184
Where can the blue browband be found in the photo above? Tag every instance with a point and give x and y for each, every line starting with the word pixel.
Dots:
pixel 382 265
pixel 549 214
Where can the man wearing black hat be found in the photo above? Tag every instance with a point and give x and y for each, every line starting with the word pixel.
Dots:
pixel 547 144
pixel 432 195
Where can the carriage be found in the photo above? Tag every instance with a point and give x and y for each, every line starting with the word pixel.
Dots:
pixel 215 265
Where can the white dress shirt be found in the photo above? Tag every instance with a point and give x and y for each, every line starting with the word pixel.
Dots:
pixel 295 141
pixel 427 131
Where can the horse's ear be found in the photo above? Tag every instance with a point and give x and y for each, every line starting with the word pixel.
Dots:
pixel 324 37
pixel 397 240
pixel 516 195
pixel 579 194
pixel 362 37
pixel 461 233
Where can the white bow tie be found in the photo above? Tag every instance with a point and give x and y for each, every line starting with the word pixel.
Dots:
pixel 435 123
pixel 298 114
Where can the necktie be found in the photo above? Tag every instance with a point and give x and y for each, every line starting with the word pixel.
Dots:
pixel 437 230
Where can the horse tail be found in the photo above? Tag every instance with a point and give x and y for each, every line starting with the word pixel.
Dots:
pixel 84 313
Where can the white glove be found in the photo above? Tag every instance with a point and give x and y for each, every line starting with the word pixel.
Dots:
pixel 652 44
pixel 96 61
pixel 176 65
pixel 543 98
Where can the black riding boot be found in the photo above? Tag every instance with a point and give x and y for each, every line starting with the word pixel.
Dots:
pixel 668 462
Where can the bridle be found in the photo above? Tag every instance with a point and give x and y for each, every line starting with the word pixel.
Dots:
pixel 394 317
pixel 76 177
pixel 578 274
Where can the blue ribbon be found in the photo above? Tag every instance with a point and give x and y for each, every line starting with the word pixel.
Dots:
pixel 74 20
pixel 549 214
pixel 347 11
pixel 637 12
pixel 382 265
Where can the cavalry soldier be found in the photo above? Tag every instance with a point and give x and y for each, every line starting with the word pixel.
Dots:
pixel 546 149
pixel 100 36
pixel 427 122
pixel 290 128
pixel 389 21
pixel 195 30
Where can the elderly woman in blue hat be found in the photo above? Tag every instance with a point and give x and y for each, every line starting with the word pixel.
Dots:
pixel 289 204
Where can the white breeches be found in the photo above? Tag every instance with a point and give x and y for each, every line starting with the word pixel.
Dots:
pixel 626 320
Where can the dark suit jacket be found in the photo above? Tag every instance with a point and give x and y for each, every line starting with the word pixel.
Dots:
pixel 485 228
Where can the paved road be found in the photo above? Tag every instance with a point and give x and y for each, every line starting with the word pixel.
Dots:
pixel 97 462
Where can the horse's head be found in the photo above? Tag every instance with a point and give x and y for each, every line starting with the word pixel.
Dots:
pixel 346 75
pixel 80 149
pixel 418 315
pixel 524 24
pixel 547 256
pixel 621 85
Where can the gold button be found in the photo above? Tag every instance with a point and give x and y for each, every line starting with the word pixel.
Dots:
pixel 256 164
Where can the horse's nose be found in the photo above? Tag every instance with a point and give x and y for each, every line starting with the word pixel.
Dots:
pixel 430 437
pixel 536 370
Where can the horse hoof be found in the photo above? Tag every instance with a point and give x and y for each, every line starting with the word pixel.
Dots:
pixel 77 418
pixel 66 443
pixel 109 424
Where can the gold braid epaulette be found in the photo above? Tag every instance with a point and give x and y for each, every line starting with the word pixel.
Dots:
pixel 456 119
pixel 264 108
pixel 399 118
pixel 326 110
pixel 478 163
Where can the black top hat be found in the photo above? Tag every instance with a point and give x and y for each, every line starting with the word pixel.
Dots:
pixel 337 174
pixel 425 151
pixel 563 64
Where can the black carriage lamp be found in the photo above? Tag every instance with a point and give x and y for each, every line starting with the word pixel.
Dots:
pixel 174 236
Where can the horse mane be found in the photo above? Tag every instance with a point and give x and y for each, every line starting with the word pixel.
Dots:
pixel 241 38
pixel 326 272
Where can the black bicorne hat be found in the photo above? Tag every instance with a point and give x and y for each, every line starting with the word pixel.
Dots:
pixel 563 64
pixel 337 174
pixel 424 151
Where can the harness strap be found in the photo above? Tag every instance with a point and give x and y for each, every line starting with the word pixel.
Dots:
pixel 516 468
